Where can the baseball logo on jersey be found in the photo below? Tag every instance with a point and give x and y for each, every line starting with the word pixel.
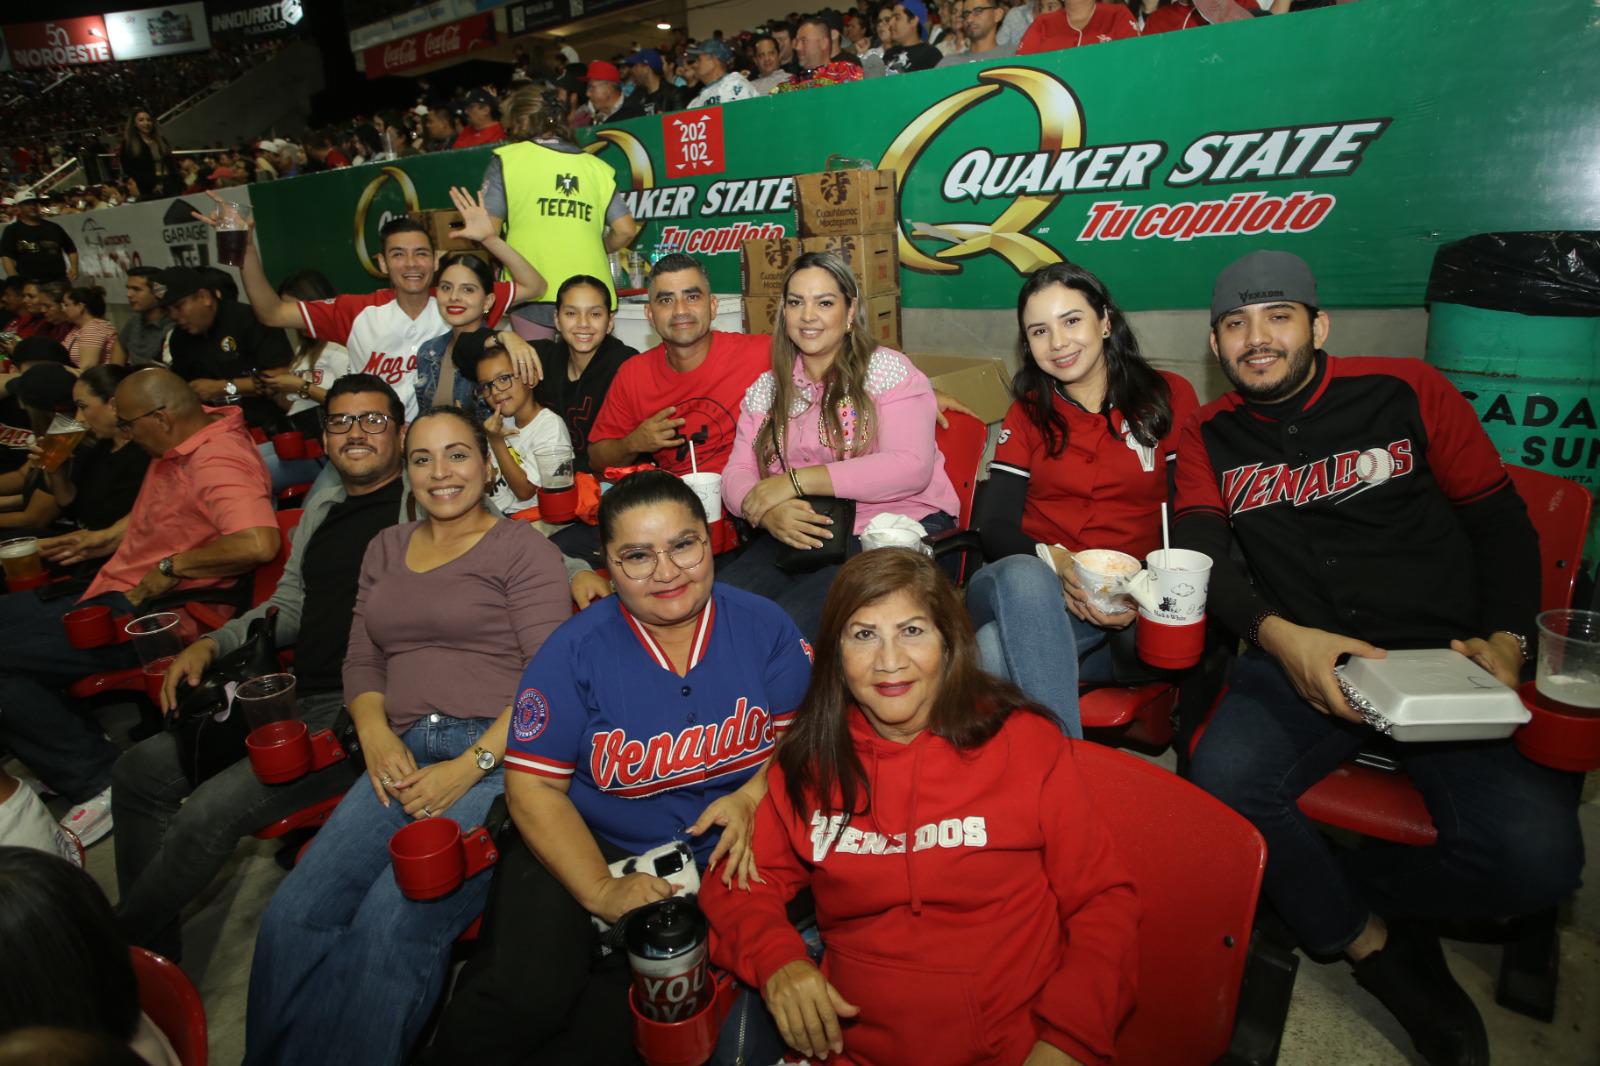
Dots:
pixel 630 767
pixel 530 715
pixel 811 656
pixel 1344 474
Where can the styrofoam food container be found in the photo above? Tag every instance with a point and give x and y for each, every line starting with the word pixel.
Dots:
pixel 1434 694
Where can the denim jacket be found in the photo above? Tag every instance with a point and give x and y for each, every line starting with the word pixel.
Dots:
pixel 430 361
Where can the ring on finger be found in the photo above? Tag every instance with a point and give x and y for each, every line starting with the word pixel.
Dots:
pixel 386 780
pixel 427 812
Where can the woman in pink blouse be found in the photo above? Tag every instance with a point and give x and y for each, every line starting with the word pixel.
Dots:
pixel 93 340
pixel 858 424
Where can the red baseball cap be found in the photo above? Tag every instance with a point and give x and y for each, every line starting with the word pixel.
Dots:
pixel 600 70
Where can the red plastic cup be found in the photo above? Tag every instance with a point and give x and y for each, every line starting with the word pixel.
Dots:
pixel 258 434
pixel 559 506
pixel 155 677
pixel 1169 647
pixel 89 627
pixel 432 857
pixel 283 751
pixel 23 584
pixel 289 445
pixel 280 751
pixel 1559 735
pixel 689 1042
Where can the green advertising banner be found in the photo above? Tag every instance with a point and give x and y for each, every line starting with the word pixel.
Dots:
pixel 1361 136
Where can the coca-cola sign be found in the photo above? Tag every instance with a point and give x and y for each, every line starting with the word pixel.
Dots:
pixel 430 46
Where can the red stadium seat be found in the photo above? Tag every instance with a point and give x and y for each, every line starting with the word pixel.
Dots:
pixel 1386 806
pixel 1198 868
pixel 312 817
pixel 262 583
pixel 1142 713
pixel 168 996
pixel 962 444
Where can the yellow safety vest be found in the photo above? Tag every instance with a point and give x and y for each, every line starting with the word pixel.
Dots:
pixel 556 203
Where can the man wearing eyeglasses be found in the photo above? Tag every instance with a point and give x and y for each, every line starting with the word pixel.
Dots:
pixel 982 20
pixel 176 837
pixel 203 515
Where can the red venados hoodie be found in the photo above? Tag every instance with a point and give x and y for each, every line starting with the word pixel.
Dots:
pixel 976 908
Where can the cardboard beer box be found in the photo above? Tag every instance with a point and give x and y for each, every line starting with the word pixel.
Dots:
pixel 760 312
pixel 883 319
pixel 440 223
pixel 845 201
pixel 762 265
pixel 874 258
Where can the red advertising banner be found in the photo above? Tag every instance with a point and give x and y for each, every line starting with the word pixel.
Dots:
pixel 692 143
pixel 430 46
pixel 59 43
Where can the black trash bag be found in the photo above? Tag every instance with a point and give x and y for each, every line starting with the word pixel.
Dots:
pixel 1551 274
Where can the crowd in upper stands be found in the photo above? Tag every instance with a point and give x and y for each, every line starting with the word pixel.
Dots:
pixel 52 114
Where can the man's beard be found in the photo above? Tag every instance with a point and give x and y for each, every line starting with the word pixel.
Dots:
pixel 1299 372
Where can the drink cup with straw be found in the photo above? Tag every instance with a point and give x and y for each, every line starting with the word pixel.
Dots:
pixel 708 487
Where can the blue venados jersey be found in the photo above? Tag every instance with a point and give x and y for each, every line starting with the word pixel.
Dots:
pixel 645 750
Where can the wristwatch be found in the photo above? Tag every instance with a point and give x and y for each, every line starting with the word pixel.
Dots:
pixel 230 390
pixel 165 566
pixel 484 757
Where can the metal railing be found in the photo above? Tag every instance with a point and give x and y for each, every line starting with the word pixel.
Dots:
pixel 56 176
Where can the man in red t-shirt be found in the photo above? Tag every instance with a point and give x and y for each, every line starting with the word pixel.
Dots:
pixel 687 388
pixel 483 127
pixel 1079 22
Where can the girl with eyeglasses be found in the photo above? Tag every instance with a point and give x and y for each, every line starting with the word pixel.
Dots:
pixel 648 718
pixel 346 968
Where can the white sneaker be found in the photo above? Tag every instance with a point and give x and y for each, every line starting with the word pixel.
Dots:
pixel 91 819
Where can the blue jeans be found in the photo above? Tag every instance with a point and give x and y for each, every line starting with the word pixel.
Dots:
pixel 286 472
pixel 346 968
pixel 1023 625
pixel 1508 839
pixel 800 595
pixel 66 749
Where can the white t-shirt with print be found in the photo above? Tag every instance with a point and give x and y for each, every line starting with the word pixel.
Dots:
pixel 546 430
pixel 725 90
pixel 332 364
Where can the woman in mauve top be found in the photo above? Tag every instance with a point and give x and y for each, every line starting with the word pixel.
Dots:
pixel 857 423
pixel 449 610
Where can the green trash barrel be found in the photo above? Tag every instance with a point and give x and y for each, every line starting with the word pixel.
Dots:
pixel 1532 374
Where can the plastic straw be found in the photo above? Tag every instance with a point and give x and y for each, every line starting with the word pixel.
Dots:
pixel 694 468
pixel 1166 538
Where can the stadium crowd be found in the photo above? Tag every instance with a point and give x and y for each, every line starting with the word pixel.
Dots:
pixel 602 600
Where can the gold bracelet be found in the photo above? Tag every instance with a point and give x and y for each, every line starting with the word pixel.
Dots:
pixel 794 479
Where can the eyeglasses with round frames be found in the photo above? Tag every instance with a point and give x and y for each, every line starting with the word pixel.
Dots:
pixel 641 564
pixel 371 421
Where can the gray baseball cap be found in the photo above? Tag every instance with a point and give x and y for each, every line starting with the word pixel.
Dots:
pixel 1263 277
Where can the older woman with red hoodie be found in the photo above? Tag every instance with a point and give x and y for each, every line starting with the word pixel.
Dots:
pixel 969 899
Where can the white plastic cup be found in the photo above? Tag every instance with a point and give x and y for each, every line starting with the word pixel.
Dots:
pixel 1569 658
pixel 157 638
pixel 555 468
pixel 1104 575
pixel 709 488
pixel 1172 588
pixel 270 698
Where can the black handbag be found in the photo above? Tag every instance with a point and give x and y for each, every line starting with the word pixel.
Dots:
pixel 210 738
pixel 834 550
